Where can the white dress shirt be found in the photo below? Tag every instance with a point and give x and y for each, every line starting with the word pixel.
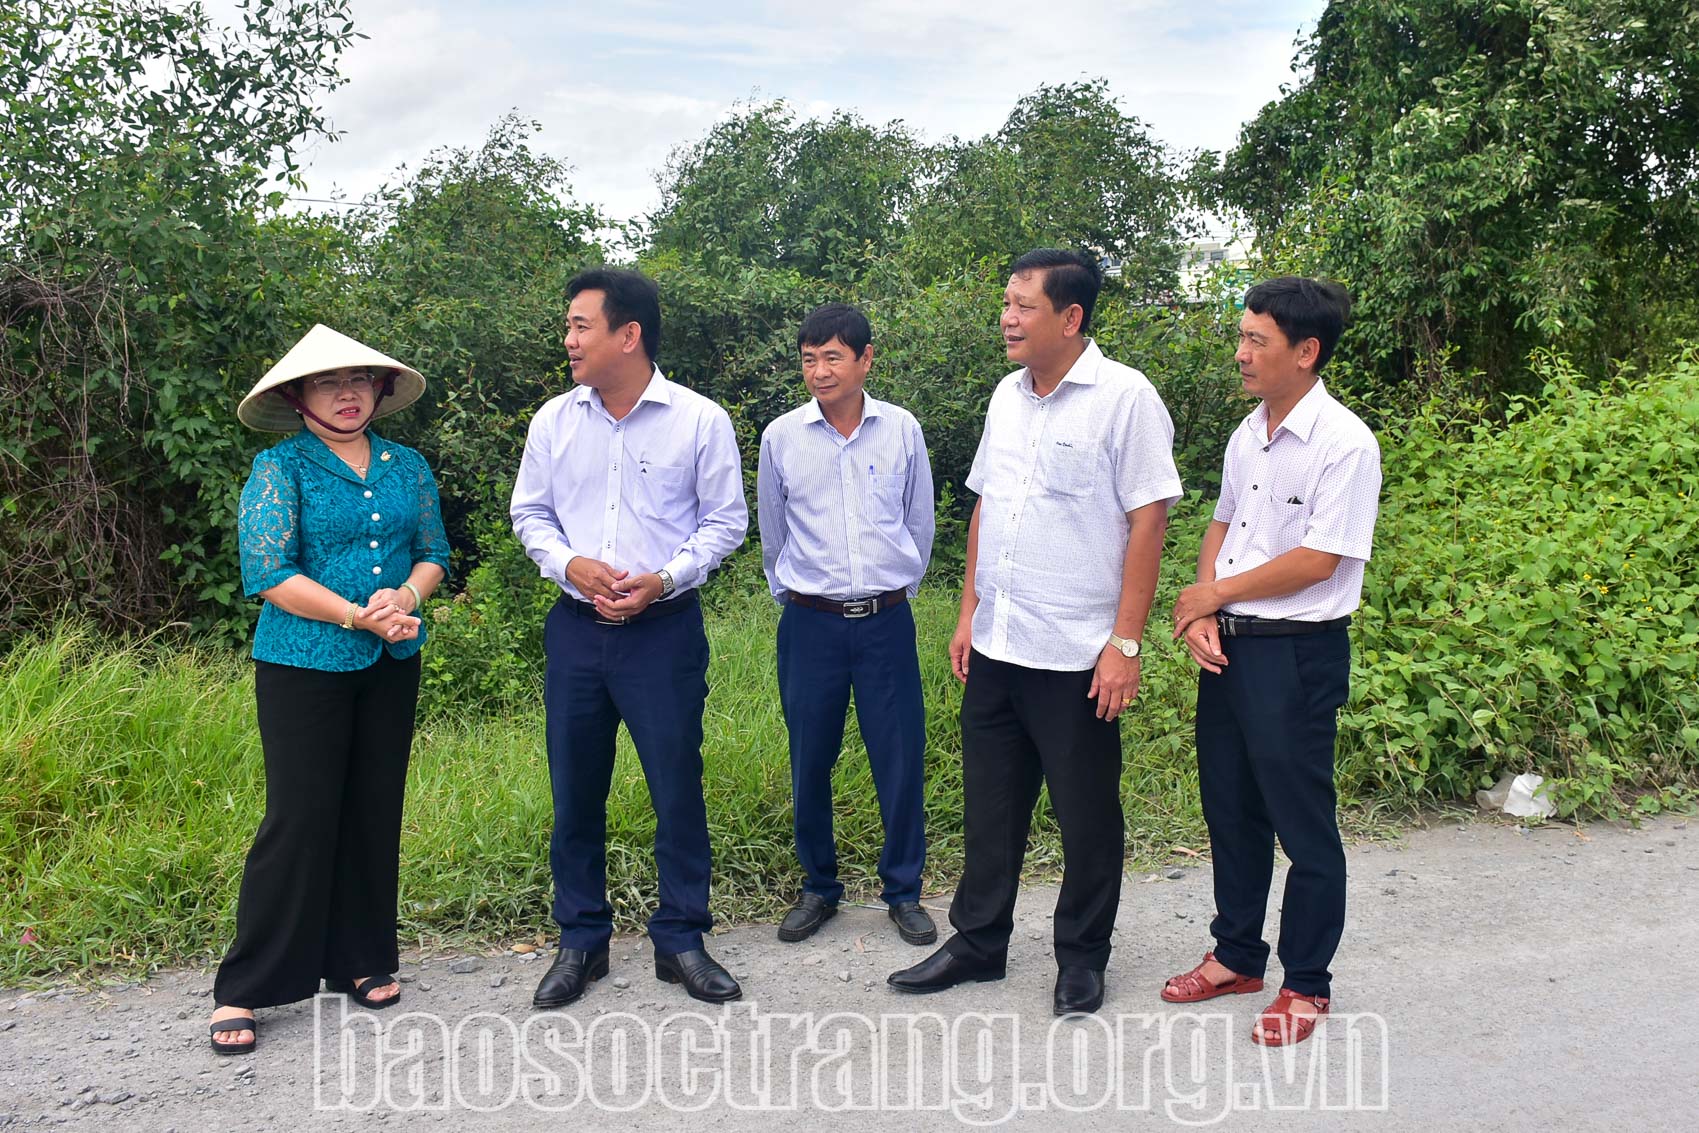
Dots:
pixel 844 517
pixel 660 489
pixel 1056 477
pixel 1315 484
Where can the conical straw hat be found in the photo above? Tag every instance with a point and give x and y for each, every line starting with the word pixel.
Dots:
pixel 320 350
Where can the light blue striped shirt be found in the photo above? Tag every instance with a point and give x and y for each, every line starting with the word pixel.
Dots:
pixel 844 517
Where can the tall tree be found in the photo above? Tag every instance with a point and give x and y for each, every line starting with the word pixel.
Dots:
pixel 461 270
pixel 819 197
pixel 1487 175
pixel 139 287
pixel 1068 168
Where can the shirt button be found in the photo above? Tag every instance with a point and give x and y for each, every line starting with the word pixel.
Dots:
pixel 1253 487
pixel 1265 448
pixel 611 507
pixel 374 544
pixel 385 456
pixel 368 493
pixel 376 517
pixel 377 570
pixel 1241 523
pixel 1229 562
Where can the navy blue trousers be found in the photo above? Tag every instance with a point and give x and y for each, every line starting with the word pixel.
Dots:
pixel 652 675
pixel 822 657
pixel 1265 732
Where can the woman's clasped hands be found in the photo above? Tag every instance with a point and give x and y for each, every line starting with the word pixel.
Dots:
pixel 386 615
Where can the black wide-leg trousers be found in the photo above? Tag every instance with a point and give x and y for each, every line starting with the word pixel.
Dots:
pixel 318 896
pixel 1265 732
pixel 1023 728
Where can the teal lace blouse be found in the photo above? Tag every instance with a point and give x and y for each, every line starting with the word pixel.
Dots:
pixel 304 511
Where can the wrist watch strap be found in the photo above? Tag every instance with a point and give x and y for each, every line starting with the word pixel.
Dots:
pixel 1127 646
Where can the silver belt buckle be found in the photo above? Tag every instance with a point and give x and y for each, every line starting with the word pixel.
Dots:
pixel 860 609
pixel 1229 625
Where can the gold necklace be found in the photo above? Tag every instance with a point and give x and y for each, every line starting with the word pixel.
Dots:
pixel 360 469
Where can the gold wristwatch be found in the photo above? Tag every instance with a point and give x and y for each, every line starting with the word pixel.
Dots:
pixel 1127 646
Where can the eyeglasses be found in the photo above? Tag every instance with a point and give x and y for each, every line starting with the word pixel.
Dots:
pixel 330 387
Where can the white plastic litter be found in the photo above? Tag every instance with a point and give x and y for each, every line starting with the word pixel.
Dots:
pixel 1523 796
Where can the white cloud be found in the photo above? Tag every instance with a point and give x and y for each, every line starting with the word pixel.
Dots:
pixel 616 88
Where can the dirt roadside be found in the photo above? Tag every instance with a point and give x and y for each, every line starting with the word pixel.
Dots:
pixel 1490 977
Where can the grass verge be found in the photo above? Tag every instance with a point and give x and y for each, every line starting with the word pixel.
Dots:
pixel 131 785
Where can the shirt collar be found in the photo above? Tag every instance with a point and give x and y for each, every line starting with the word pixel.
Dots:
pixel 659 390
pixel 869 408
pixel 1301 422
pixel 312 446
pixel 1083 372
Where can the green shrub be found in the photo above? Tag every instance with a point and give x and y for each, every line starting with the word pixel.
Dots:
pixel 1531 603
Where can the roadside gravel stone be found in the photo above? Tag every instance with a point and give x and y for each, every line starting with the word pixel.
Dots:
pixel 1552 1051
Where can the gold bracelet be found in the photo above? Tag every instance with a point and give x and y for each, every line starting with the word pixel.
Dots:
pixel 348 618
pixel 418 598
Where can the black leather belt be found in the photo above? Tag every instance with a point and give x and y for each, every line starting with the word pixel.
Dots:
pixel 653 610
pixel 855 607
pixel 1249 625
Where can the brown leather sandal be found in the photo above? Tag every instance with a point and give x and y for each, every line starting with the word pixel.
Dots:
pixel 1278 1025
pixel 1195 987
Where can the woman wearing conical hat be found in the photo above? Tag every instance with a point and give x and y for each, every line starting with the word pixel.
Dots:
pixel 341 535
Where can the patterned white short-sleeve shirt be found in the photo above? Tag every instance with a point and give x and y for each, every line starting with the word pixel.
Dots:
pixel 1315 484
pixel 1056 477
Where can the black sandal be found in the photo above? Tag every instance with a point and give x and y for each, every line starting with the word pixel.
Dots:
pixel 237 1023
pixel 352 988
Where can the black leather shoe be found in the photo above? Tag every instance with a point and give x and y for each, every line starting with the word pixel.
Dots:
pixel 701 975
pixel 1079 991
pixel 805 917
pixel 914 924
pixel 941 971
pixel 569 976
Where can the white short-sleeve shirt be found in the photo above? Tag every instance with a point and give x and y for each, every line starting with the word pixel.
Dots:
pixel 1315 484
pixel 1056 477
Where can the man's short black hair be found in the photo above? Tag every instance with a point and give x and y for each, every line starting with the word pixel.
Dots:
pixel 1304 308
pixel 1069 277
pixel 836 320
pixel 627 297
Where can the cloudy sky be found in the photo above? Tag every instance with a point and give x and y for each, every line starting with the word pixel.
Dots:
pixel 617 84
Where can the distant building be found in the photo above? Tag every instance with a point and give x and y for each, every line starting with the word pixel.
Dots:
pixel 1215 269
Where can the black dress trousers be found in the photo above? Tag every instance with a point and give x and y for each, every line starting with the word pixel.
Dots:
pixel 318 896
pixel 1021 728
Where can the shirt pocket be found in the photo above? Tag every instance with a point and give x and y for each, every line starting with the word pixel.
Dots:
pixel 1069 470
pixel 885 495
pixel 1284 522
pixel 662 489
